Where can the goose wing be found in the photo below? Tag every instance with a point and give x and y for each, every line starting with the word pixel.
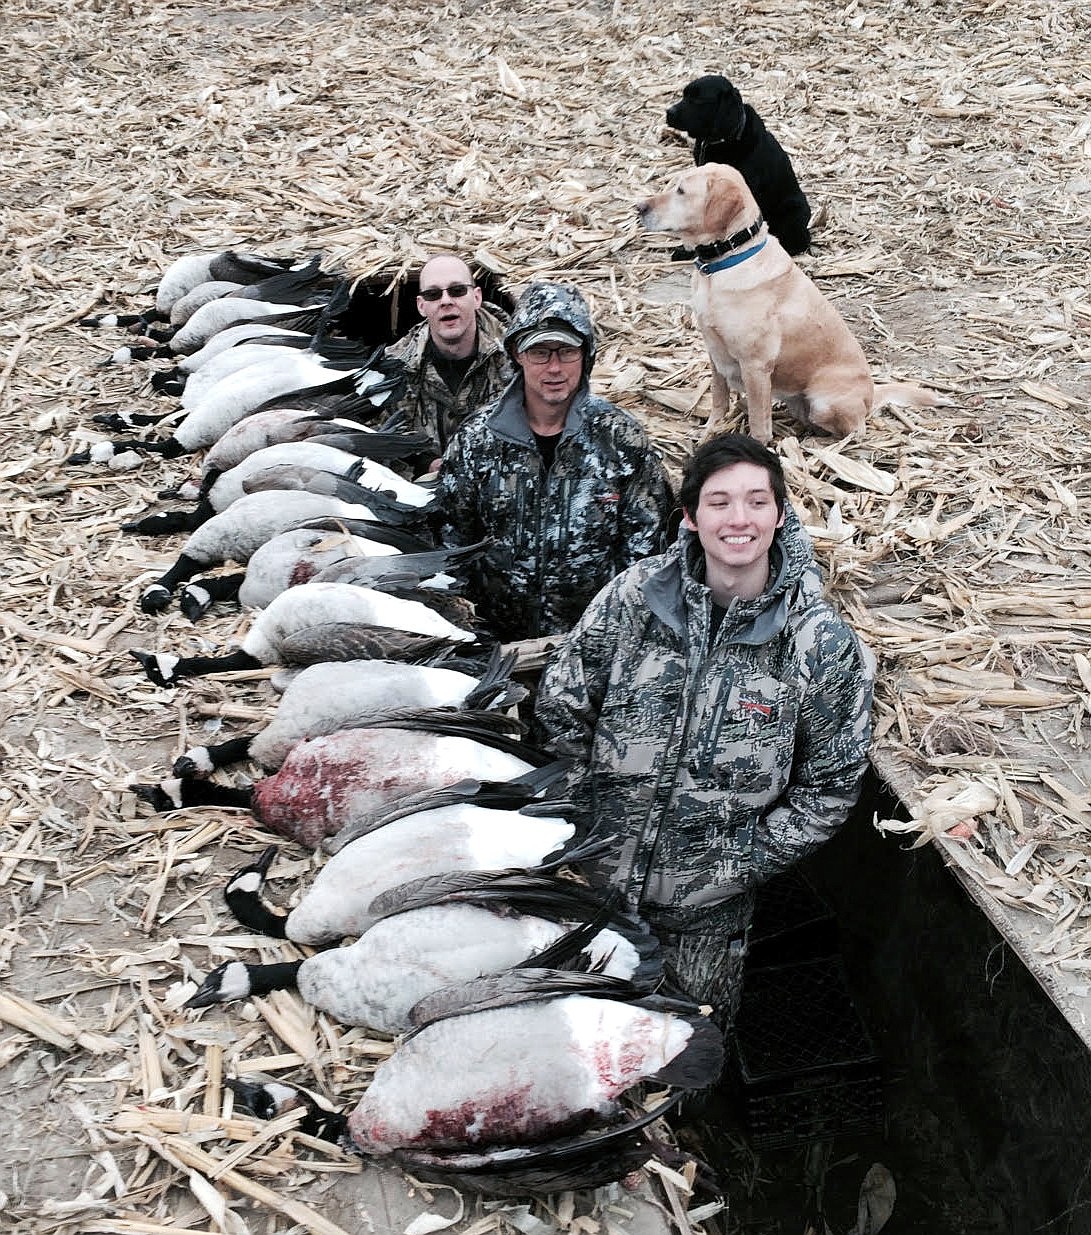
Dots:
pixel 369 529
pixel 410 570
pixel 516 986
pixel 595 1158
pixel 331 641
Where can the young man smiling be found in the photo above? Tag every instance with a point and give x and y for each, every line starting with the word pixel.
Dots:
pixel 454 359
pixel 717 710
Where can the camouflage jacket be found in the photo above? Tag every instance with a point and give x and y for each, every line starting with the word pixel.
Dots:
pixel 429 405
pixel 713 767
pixel 558 535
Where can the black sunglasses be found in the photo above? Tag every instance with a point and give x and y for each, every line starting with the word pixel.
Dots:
pixel 455 290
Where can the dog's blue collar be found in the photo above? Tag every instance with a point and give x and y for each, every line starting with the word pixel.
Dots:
pixel 725 263
pixel 706 256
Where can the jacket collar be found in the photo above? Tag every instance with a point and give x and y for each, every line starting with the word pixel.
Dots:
pixel 676 591
pixel 508 420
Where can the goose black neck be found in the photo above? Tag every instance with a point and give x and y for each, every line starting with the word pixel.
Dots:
pixel 252 912
pixel 198 666
pixel 280 976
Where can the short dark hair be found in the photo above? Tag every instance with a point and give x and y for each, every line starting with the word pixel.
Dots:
pixel 722 451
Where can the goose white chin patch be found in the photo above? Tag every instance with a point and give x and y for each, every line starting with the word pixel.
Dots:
pixel 199 594
pixel 173 789
pixel 167 662
pixel 246 881
pixel 234 981
pixel 282 1096
pixel 201 760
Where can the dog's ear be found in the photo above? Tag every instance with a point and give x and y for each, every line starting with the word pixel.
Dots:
pixel 730 117
pixel 725 202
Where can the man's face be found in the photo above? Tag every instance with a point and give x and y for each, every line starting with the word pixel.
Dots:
pixel 451 319
pixel 555 382
pixel 736 517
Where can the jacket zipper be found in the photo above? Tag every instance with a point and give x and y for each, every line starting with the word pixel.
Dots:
pixel 683 712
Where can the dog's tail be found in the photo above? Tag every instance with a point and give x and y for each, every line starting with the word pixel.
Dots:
pixel 905 394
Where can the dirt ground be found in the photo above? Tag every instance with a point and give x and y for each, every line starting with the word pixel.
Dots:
pixel 947 147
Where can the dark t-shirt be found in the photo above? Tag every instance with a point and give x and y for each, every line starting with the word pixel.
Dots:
pixel 547 447
pixel 715 617
pixel 451 370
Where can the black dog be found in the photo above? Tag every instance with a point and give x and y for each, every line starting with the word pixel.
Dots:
pixel 727 130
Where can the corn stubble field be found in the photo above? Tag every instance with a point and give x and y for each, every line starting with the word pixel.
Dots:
pixel 946 148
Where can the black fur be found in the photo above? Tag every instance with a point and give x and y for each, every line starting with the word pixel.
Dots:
pixel 727 130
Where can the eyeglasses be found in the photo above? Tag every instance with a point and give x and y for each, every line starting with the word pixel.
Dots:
pixel 455 290
pixel 540 355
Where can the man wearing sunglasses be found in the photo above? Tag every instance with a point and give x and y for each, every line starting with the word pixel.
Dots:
pixel 454 360
pixel 565 485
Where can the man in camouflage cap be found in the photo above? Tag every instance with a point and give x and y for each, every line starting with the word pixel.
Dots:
pixel 566 485
pixel 454 359
pixel 718 713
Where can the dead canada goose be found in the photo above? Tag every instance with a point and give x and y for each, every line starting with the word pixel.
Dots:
pixel 483 826
pixel 303 554
pixel 315 622
pixel 339 783
pixel 237 532
pixel 305 457
pixel 429 943
pixel 544 1105
pixel 325 698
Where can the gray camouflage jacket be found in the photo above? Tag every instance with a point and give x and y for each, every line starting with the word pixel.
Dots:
pixel 428 403
pixel 558 535
pixel 714 768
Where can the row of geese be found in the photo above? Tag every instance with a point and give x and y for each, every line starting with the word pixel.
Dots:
pixel 530 1010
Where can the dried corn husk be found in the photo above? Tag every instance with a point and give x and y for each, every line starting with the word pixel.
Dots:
pixel 956 539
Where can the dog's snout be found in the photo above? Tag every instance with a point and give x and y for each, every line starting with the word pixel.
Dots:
pixel 645 212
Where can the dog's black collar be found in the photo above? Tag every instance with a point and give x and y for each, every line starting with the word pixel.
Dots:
pixel 732 259
pixel 709 252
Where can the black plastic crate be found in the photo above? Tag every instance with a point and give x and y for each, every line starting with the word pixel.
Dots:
pixel 807 1068
pixel 791 923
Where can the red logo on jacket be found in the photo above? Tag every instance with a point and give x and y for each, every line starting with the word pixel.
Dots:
pixel 764 710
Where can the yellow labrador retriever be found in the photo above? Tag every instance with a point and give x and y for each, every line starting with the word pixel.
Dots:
pixel 769 331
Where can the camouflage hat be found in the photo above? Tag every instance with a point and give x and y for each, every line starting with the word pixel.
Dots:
pixel 556 306
pixel 540 335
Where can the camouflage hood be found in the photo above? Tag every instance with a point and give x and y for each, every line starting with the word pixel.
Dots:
pixel 553 302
